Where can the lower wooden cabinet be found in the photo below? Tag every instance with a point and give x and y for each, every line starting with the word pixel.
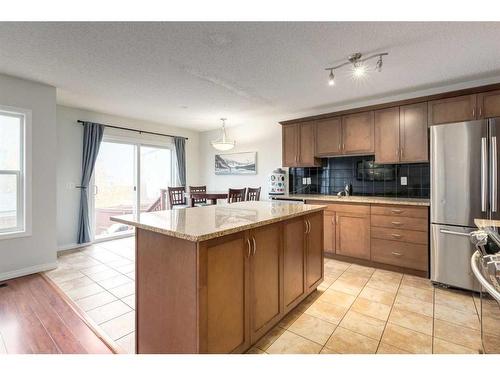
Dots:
pixel 227 294
pixel 401 254
pixel 352 235
pixel 293 261
pixel 329 232
pixel 314 250
pixel 265 249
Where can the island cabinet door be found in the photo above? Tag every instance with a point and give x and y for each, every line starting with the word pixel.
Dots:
pixel 293 262
pixel 223 294
pixel 314 250
pixel 265 271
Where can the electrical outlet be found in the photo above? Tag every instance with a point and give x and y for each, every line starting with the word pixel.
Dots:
pixel 304 180
pixel 70 185
pixel 308 180
pixel 404 181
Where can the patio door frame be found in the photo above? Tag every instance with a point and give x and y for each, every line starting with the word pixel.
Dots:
pixel 138 142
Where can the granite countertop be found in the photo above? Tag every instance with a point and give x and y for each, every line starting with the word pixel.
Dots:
pixel 203 223
pixel 486 223
pixel 357 199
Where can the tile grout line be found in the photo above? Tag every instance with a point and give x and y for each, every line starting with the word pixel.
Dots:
pixel 390 311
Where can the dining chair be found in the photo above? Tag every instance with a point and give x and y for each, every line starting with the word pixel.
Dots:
pixel 177 197
pixel 199 189
pixel 253 194
pixel 236 195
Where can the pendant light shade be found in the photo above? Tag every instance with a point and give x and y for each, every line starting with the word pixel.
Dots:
pixel 223 144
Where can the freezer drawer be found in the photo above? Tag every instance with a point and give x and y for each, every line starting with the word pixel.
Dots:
pixel 451 251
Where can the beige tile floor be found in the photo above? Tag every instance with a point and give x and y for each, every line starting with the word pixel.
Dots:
pixel 100 279
pixel 355 310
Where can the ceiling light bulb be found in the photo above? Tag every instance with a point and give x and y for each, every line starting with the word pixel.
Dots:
pixel 331 78
pixel 359 70
pixel 379 64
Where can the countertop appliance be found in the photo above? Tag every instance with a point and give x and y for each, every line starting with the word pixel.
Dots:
pixel 464 186
pixel 277 182
pixel 486 269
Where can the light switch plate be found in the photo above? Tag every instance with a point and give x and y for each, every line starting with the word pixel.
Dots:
pixel 404 181
pixel 309 180
pixel 304 180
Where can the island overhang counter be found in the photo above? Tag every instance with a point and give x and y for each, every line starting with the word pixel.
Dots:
pixel 215 279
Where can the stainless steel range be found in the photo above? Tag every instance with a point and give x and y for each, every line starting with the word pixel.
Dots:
pixel 464 187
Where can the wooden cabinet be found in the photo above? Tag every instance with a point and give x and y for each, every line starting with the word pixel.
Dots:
pixel 329 232
pixel 387 135
pixel 358 133
pixel 314 250
pixel 306 145
pixel 329 137
pixel 413 133
pixel 401 134
pixel 400 236
pixel 264 252
pixel 290 139
pixel 456 109
pixel 352 232
pixel 227 288
pixel 293 261
pixel 298 145
pixel 488 104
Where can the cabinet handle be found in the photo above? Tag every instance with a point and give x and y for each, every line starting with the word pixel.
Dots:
pixel 249 248
pixel 339 147
pixel 396 211
pixel 309 225
pixel 473 112
pixel 395 222
pixel 396 235
pixel 305 223
pixel 343 146
pixel 396 254
pixel 397 152
pixel 402 152
pixel 480 112
pixel 254 245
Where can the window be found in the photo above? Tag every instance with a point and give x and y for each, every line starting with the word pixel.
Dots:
pixel 12 173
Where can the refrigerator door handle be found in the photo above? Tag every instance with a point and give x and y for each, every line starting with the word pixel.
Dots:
pixel 445 231
pixel 494 174
pixel 484 173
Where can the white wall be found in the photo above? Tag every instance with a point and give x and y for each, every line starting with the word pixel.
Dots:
pixel 69 161
pixel 263 138
pixel 21 256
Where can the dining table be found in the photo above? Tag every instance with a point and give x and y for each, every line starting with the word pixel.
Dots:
pixel 211 196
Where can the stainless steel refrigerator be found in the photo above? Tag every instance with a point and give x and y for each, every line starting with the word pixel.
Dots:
pixel 464 186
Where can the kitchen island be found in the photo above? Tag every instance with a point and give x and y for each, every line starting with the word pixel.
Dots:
pixel 215 279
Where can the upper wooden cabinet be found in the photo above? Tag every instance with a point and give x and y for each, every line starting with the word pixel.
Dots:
pixel 358 133
pixel 413 133
pixel 401 134
pixel 457 109
pixel 489 104
pixel 329 137
pixel 387 135
pixel 298 145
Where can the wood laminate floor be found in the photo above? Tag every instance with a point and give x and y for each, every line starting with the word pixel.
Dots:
pixel 34 318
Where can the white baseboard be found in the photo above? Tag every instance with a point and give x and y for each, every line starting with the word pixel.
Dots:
pixel 27 271
pixel 72 246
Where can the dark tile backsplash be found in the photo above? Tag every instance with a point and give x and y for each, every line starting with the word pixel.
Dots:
pixel 366 177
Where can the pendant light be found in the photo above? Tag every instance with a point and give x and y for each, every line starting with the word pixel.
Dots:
pixel 223 144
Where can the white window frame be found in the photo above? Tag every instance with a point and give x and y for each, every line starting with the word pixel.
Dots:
pixel 24 209
pixel 124 137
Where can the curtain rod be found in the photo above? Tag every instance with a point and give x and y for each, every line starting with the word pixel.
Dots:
pixel 134 130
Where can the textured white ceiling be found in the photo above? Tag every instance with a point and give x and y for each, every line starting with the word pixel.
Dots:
pixel 191 74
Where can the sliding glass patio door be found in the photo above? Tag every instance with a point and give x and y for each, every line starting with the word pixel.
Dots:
pixel 128 179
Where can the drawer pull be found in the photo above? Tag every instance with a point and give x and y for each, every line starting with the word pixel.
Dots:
pixel 396 211
pixel 396 223
pixel 396 254
pixel 396 235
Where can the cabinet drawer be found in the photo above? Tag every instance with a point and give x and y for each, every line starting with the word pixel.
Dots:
pixel 411 236
pixel 400 254
pixel 353 208
pixel 402 222
pixel 408 211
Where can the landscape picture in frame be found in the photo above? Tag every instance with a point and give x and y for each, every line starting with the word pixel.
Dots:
pixel 240 163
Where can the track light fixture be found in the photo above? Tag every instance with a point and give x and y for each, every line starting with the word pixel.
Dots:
pixel 357 62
